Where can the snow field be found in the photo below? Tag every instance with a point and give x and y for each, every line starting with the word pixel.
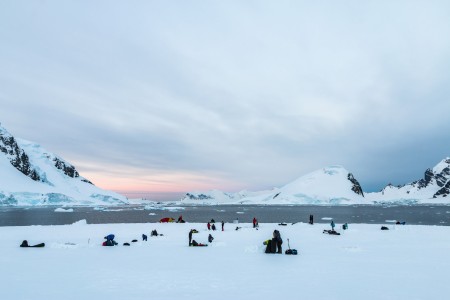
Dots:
pixel 364 262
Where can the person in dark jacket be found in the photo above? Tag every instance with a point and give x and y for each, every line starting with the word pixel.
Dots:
pixel 222 225
pixel 144 237
pixel 213 227
pixel 210 238
pixel 190 237
pixel 277 240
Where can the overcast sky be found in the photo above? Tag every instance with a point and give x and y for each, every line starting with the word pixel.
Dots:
pixel 177 96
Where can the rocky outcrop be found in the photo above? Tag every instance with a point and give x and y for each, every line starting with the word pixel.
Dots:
pixel 434 184
pixel 356 186
pixel 17 156
pixel 67 168
pixel 197 197
pixel 444 191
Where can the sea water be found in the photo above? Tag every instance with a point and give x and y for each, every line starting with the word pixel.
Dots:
pixel 413 214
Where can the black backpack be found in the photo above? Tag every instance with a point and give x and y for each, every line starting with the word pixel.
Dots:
pixel 291 252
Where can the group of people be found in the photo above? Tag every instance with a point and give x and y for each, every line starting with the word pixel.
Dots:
pixel 212 226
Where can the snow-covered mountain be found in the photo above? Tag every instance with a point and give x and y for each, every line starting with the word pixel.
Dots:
pixel 335 185
pixel 332 185
pixel 434 187
pixel 30 175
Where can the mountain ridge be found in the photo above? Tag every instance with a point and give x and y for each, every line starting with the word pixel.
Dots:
pixel 336 185
pixel 31 175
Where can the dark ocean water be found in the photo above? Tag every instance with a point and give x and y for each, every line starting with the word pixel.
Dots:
pixel 417 215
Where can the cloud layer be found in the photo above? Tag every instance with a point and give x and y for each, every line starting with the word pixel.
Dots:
pixel 171 97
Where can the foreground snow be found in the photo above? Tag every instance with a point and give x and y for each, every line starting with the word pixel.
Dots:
pixel 406 262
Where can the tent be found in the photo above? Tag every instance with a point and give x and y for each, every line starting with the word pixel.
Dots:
pixel 166 220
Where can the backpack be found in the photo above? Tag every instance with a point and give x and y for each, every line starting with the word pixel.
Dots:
pixel 291 252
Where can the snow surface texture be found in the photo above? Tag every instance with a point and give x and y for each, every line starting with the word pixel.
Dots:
pixel 405 262
pixel 50 180
pixel 336 186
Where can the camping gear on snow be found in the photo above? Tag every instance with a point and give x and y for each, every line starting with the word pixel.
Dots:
pixel 25 245
pixel 332 232
pixel 126 244
pixel 155 233
pixel 400 223
pixel 195 244
pixel 384 228
pixel 166 220
pixel 290 251
pixel 110 243
pixel 282 224
pixel 134 241
pixel 110 240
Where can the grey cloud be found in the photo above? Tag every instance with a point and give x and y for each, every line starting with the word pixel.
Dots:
pixel 255 93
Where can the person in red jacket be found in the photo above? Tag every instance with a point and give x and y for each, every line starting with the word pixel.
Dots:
pixel 254 222
pixel 209 226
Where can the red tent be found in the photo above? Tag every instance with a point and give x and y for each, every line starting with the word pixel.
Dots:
pixel 166 220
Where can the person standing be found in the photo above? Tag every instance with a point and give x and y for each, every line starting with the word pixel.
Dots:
pixel 254 222
pixel 332 225
pixel 278 241
pixel 311 219
pixel 222 225
pixel 209 226
pixel 190 237
pixel 213 227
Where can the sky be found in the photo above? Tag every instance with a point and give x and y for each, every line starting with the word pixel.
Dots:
pixel 159 98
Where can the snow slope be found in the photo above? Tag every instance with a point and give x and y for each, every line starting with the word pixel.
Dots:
pixel 406 262
pixel 332 185
pixel 31 175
